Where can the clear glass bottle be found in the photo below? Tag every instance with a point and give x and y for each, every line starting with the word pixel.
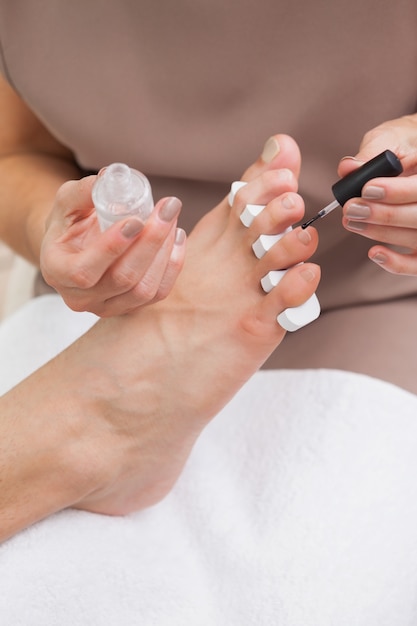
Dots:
pixel 120 192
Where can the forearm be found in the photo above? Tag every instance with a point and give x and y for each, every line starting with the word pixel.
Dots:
pixel 33 164
pixel 28 184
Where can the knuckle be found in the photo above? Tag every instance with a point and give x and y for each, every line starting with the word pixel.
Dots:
pixel 80 276
pixel 63 190
pixel 76 304
pixel 146 290
pixel 162 292
pixel 124 278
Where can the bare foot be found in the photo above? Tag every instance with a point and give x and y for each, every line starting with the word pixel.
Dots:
pixel 149 382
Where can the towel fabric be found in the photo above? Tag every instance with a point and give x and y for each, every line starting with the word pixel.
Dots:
pixel 297 507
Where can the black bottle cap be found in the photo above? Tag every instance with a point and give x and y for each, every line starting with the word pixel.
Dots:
pixel 385 164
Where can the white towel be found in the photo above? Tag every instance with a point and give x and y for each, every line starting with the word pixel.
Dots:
pixel 298 507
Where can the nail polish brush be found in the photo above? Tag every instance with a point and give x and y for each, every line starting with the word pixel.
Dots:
pixel 385 164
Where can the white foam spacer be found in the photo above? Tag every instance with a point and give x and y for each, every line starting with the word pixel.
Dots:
pixel 265 243
pixel 250 212
pixel 292 318
pixel 238 184
pixel 272 279
pixel 296 317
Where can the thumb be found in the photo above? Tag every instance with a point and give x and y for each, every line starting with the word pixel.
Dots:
pixel 73 200
pixel 348 164
pixel 372 145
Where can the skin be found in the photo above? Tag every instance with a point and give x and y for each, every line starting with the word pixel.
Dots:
pixel 108 424
pixel 387 211
pixel 108 273
pixel 109 430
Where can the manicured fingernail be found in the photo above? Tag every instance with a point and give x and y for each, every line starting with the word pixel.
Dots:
pixel 132 227
pixel 170 209
pixel 304 236
pixel 379 258
pixel 179 237
pixel 351 158
pixel 308 275
pixel 359 226
pixel 271 149
pixel 358 211
pixel 372 192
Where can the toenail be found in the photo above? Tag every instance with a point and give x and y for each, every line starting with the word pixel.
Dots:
pixel 308 275
pixel 284 174
pixel 271 149
pixel 288 202
pixel 304 236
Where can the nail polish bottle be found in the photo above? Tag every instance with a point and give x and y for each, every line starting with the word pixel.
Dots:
pixel 120 192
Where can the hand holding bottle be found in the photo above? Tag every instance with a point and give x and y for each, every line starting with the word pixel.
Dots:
pixel 134 261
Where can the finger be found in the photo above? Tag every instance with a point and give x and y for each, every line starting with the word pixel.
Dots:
pixel 124 295
pixel 73 199
pixel 406 237
pixel 348 164
pixel 154 244
pixel 399 190
pixel 401 216
pixel 83 268
pixel 393 261
pixel 174 265
pixel 155 284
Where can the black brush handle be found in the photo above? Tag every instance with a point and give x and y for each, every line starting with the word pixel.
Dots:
pixel 385 164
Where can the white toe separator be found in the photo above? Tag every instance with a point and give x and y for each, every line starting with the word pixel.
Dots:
pixel 250 212
pixel 292 318
pixel 295 317
pixel 265 243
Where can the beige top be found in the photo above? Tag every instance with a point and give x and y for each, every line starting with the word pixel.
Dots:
pixel 188 92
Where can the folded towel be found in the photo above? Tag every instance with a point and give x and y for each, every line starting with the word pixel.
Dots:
pixel 297 507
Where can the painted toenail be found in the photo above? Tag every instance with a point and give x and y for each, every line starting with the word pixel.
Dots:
pixel 304 236
pixel 271 149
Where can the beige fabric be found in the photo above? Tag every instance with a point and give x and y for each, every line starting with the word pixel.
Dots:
pixel 188 93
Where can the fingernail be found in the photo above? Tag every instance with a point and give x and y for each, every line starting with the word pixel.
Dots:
pixel 170 209
pixel 304 236
pixel 132 227
pixel 351 158
pixel 179 237
pixel 356 226
pixel 372 192
pixel 358 211
pixel 308 275
pixel 379 258
pixel 271 149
